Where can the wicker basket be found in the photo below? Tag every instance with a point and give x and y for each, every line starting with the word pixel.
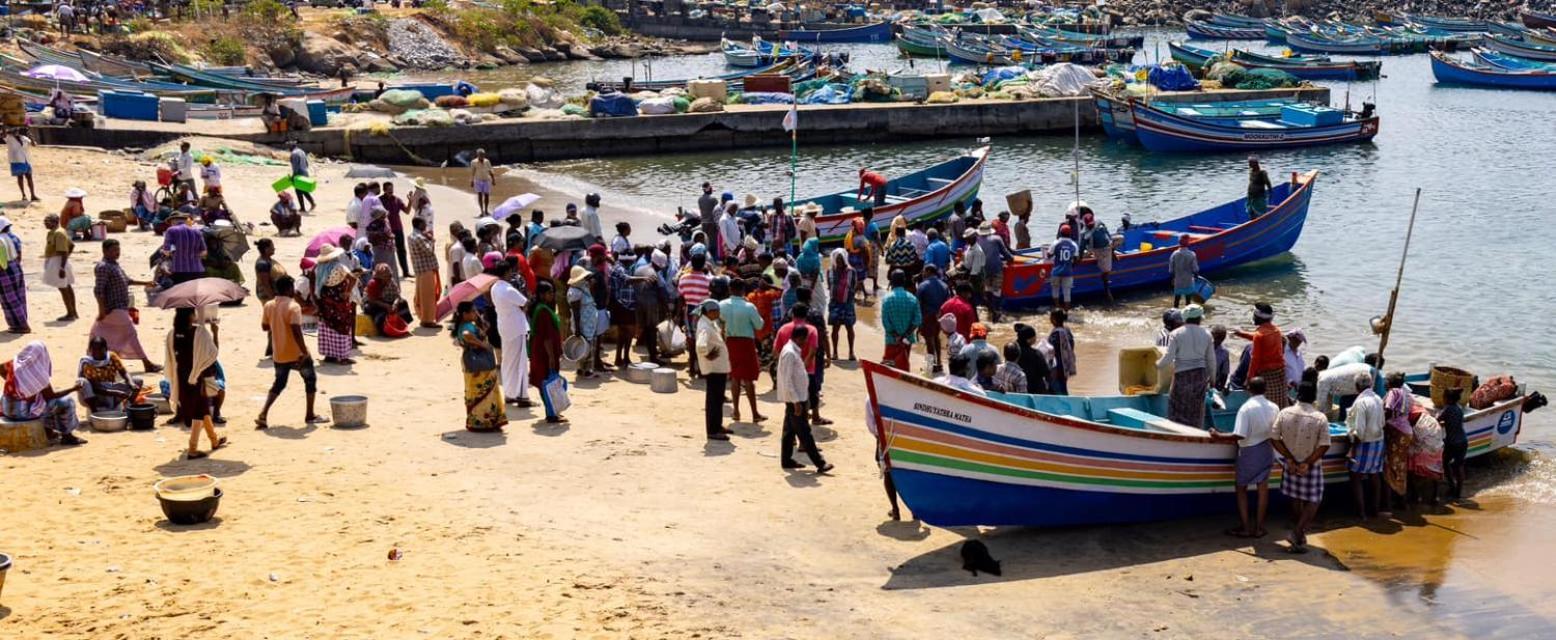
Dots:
pixel 1445 378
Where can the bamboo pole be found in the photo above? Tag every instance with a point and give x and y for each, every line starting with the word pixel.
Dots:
pixel 1388 319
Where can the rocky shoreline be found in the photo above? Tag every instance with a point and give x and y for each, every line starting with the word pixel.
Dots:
pixel 1176 12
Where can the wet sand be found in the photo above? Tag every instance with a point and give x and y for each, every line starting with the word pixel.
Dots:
pixel 626 523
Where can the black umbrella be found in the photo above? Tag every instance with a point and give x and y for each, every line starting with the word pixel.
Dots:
pixel 566 238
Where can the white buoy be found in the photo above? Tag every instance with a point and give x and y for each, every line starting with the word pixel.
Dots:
pixel 663 380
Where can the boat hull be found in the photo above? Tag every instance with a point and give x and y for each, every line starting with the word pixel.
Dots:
pixel 1166 133
pixel 1206 31
pixel 1304 42
pixel 1535 20
pixel 878 32
pixel 958 459
pixel 1520 48
pixel 1331 70
pixel 1239 242
pixel 943 186
pixel 1449 71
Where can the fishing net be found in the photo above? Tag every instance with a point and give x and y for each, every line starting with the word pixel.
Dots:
pixel 1266 79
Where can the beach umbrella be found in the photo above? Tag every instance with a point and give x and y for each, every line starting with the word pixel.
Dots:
pixel 55 72
pixel 514 205
pixel 232 240
pixel 327 237
pixel 198 293
pixel 566 238
pixel 470 289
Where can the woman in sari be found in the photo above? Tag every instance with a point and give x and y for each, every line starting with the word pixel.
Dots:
pixel 13 283
pixel 484 410
pixel 545 341
pixel 543 262
pixel 840 299
pixel 332 286
pixel 191 371
pixel 1426 453
pixel 1398 436
pixel 858 250
pixel 383 303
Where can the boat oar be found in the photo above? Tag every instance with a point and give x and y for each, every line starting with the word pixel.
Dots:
pixel 1388 319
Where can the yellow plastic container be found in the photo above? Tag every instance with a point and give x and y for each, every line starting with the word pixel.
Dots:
pixel 1146 246
pixel 1137 373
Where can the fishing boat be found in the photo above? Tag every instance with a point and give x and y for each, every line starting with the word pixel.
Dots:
pixel 1042 34
pixel 1441 23
pixel 923 40
pixel 1310 69
pixel 1522 49
pixel 1200 30
pixel 1119 122
pixel 1451 71
pixel 878 32
pixel 1544 37
pixel 1222 237
pixel 1504 61
pixel 233 84
pixel 1299 126
pixel 1237 21
pixel 921 197
pixel 970 48
pixel 1356 46
pixel 733 81
pixel 962 459
pixel 1536 20
pixel 1509 29
pixel 113 66
pixel 759 53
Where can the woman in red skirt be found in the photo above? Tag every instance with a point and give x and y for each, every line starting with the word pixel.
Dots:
pixel 742 321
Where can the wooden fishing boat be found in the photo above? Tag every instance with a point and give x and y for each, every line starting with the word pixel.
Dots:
pixel 759 53
pixel 1356 46
pixel 878 32
pixel 921 197
pixel 1091 41
pixel 1543 37
pixel 1461 25
pixel 1161 131
pixel 1222 237
pixel 1237 21
pixel 1504 61
pixel 1451 71
pixel 960 459
pixel 1536 20
pixel 1522 49
pixel 923 40
pixel 10 77
pixel 113 66
pixel 1509 29
pixel 1119 122
pixel 1200 30
pixel 1310 69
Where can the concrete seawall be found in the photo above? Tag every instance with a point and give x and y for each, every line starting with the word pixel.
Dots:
pixel 527 140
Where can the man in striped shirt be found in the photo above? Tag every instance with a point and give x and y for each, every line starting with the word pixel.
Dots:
pixel 186 248
pixel 693 289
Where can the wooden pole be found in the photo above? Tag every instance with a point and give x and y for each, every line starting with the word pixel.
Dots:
pixel 1388 319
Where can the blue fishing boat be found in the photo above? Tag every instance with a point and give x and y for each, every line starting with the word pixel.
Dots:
pixel 1013 459
pixel 797 70
pixel 1504 61
pixel 920 197
pixel 1537 20
pixel 759 53
pixel 1222 237
pixel 1237 21
pixel 1199 30
pixel 1316 43
pixel 1451 71
pixel 878 32
pixel 1298 126
pixel 1309 68
pixel 1520 48
pixel 1119 122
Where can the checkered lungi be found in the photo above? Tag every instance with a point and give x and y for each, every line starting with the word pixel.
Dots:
pixel 1275 387
pixel 13 295
pixel 1308 487
pixel 1366 457
pixel 333 344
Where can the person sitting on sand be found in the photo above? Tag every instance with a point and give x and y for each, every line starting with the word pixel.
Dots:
pixel 284 215
pixel 213 206
pixel 105 385
pixel 383 303
pixel 143 204
pixel 28 395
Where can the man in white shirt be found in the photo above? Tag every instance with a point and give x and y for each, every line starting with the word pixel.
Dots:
pixel 354 208
pixel 729 232
pixel 185 166
pixel 1191 354
pixel 591 217
pixel 1364 459
pixel 1255 456
pixel 794 393
pixel 956 375
pixel 513 328
pixel 18 146
pixel 713 362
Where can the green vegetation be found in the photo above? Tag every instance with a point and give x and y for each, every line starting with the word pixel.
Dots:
pixel 226 50
pixel 522 23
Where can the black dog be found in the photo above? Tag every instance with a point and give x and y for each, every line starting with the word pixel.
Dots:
pixel 975 558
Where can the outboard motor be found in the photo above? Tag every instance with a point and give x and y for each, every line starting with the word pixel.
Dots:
pixel 1367 109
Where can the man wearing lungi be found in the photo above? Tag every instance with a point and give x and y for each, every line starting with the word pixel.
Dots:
pixel 115 323
pixel 1301 437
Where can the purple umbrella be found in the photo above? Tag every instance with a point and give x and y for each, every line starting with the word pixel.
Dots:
pixel 55 72
pixel 198 293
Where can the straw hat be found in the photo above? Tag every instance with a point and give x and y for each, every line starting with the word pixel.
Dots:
pixel 985 229
pixel 330 254
pixel 577 276
pixel 421 183
pixel 750 200
pixel 75 192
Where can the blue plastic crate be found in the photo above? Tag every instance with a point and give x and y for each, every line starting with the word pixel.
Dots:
pixel 1306 115
pixel 317 116
pixel 128 105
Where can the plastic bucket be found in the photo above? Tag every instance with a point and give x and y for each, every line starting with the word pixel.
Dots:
pixel 143 417
pixel 186 488
pixel 5 567
pixel 348 411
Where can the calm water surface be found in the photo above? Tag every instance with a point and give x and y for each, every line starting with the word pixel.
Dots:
pixel 1476 292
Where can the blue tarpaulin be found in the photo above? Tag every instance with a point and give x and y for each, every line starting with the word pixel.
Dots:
pixel 1174 77
pixel 613 104
pixel 829 94
pixel 1001 74
pixel 766 97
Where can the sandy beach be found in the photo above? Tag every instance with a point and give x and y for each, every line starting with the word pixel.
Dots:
pixel 626 523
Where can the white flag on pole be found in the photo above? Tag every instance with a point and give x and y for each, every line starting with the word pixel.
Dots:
pixel 791 120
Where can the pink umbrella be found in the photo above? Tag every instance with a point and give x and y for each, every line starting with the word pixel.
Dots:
pixel 468 290
pixel 327 237
pixel 199 292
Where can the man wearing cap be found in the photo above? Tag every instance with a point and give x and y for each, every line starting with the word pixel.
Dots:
pixel 186 246
pixel 713 361
pixel 1184 267
pixel 1193 360
pixel 1258 189
pixel 1063 255
pixel 299 162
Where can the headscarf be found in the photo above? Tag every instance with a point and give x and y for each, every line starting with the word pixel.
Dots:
pixel 791 290
pixel 948 324
pixel 842 277
pixel 852 241
pixel 899 230
pixel 1031 361
pixel 328 274
pixel 810 258
pixel 540 260
pixel 30 370
pixel 979 331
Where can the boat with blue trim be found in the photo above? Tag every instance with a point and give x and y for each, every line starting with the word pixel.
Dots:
pixel 1299 126
pixel 873 33
pixel 1119 122
pixel 921 197
pixel 1448 70
pixel 1200 30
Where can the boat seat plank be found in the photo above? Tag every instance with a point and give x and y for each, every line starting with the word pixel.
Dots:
pixel 941 181
pixel 1141 421
pixel 1208 230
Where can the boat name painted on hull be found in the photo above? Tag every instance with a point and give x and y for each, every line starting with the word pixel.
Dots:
pixel 942 412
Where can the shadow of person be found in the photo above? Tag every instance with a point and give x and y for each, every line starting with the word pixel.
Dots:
pixel 904 530
pixel 473 439
pixel 5 612
pixel 823 433
pixel 167 525
pixel 288 433
pixel 750 429
pixel 801 478
pixel 211 466
pixel 711 448
pixel 550 429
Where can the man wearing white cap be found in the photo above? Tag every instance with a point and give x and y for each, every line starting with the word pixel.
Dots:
pixel 1191 354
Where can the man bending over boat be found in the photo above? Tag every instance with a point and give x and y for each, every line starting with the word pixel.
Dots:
pixel 872 184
